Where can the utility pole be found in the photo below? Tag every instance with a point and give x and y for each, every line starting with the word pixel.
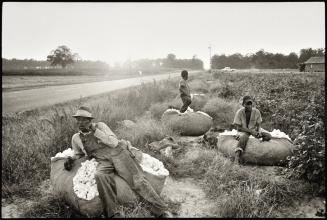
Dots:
pixel 209 58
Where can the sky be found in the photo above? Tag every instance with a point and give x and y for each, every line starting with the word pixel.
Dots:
pixel 116 32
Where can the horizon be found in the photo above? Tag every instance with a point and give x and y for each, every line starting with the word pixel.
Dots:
pixel 297 53
pixel 118 32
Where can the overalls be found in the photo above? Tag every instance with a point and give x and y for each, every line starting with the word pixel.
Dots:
pixel 119 161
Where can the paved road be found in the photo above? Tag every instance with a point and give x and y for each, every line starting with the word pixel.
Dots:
pixel 23 100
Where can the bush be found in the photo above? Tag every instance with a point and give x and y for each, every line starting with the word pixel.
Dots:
pixel 226 91
pixel 308 161
pixel 222 111
pixel 145 131
pixel 198 86
pixel 157 109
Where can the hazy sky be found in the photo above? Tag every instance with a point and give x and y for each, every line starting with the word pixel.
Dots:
pixel 118 31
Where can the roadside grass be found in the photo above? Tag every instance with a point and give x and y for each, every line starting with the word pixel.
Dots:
pixel 187 162
pixel 50 207
pixel 244 193
pixel 145 131
pixel 198 86
pixel 222 111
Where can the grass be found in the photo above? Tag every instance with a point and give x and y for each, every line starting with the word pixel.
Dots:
pixel 222 110
pixel 146 130
pixel 50 207
pixel 241 192
pixel 31 138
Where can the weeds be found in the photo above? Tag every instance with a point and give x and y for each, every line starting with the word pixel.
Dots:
pixel 241 192
pixel 50 207
pixel 222 111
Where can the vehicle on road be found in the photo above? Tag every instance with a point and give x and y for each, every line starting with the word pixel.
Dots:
pixel 228 69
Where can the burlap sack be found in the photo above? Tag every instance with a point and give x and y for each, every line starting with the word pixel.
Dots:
pixel 62 182
pixel 188 124
pixel 273 152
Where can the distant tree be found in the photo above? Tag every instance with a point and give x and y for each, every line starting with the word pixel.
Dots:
pixel 305 54
pixel 171 57
pixel 61 56
pixel 292 60
pixel 170 61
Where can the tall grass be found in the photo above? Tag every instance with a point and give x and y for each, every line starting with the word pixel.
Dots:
pixel 145 131
pixel 243 192
pixel 222 111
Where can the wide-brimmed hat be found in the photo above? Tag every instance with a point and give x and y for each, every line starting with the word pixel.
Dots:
pixel 246 99
pixel 83 111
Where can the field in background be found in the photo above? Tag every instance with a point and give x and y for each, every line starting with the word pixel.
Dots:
pixel 291 102
pixel 28 79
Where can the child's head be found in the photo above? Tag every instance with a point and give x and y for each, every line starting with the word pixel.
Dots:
pixel 184 74
pixel 247 102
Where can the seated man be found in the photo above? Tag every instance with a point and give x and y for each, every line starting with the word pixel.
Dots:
pixel 248 121
pixel 96 140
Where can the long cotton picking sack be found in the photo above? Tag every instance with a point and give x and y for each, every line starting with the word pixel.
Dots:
pixel 273 152
pixel 87 201
pixel 62 182
pixel 188 124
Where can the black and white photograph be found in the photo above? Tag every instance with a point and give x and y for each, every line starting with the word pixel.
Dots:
pixel 163 110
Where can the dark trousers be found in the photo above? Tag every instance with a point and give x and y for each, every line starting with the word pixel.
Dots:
pixel 186 102
pixel 128 169
pixel 244 137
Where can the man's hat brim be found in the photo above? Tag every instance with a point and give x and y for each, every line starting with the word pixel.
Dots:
pixel 83 113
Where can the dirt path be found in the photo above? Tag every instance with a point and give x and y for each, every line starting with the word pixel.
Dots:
pixel 191 196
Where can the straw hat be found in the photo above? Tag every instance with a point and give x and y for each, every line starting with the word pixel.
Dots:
pixel 83 111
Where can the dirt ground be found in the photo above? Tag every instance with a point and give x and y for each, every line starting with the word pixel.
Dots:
pixel 189 194
pixel 186 191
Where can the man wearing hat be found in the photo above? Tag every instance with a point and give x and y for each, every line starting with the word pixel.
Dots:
pixel 96 140
pixel 248 122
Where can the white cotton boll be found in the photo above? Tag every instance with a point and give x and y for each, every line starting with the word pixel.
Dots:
pixel 226 132
pixel 66 153
pixel 173 110
pixel 84 181
pixel 276 133
pixel 153 165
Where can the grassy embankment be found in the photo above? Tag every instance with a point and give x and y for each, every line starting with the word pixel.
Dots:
pixel 29 142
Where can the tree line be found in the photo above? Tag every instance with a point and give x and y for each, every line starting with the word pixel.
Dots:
pixel 28 64
pixel 63 57
pixel 265 60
